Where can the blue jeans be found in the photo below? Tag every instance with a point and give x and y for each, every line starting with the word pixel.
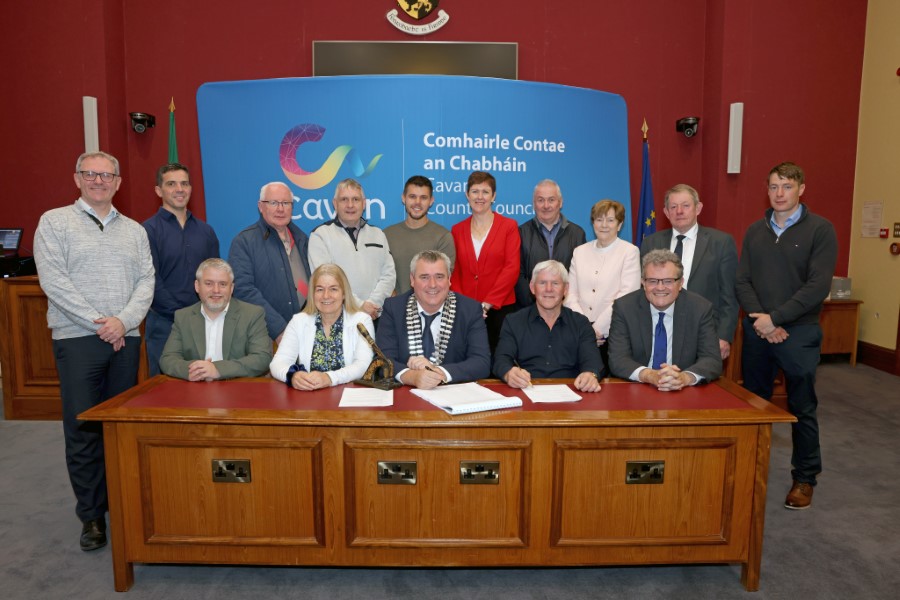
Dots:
pixel 798 358
pixel 156 331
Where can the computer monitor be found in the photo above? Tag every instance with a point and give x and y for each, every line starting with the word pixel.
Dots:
pixel 10 238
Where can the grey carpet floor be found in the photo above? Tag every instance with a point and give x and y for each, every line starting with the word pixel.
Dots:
pixel 846 546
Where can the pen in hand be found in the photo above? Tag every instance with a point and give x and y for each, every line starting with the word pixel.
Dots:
pixel 516 364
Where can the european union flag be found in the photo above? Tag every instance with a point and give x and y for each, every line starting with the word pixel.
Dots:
pixel 646 214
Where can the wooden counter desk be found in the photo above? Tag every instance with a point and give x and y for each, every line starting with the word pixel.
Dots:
pixel 318 492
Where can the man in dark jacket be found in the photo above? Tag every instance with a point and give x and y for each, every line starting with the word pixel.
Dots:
pixel 549 235
pixel 709 257
pixel 784 275
pixel 270 260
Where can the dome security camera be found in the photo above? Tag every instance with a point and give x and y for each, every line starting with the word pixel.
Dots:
pixel 141 121
pixel 688 126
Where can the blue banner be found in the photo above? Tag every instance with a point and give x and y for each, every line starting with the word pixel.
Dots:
pixel 313 132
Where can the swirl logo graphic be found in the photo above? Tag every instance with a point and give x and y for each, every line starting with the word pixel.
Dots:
pixel 310 132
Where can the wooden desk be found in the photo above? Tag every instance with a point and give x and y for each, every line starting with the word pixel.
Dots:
pixel 314 496
pixel 30 380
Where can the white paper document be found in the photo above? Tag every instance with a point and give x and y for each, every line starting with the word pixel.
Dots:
pixel 551 393
pixel 463 398
pixel 366 396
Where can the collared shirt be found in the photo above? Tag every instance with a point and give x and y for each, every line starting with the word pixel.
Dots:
pixel 688 245
pixel 549 234
pixel 214 331
pixel 352 230
pixel 566 350
pixel 669 324
pixel 791 220
pixel 177 252
pixel 435 335
pixel 113 213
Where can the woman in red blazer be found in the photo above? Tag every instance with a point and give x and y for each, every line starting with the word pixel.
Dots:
pixel 487 255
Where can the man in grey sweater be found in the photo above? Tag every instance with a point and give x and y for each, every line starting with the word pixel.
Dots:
pixel 96 269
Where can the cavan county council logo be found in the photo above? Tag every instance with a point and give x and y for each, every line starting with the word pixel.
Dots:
pixel 310 132
pixel 418 11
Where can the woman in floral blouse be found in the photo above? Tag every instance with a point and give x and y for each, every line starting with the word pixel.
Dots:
pixel 321 346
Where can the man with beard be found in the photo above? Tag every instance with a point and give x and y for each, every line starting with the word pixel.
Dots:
pixel 417 232
pixel 219 337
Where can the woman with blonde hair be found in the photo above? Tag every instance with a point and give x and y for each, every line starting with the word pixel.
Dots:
pixel 321 345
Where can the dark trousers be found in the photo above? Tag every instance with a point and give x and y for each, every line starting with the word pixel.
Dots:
pixel 798 358
pixel 156 331
pixel 89 373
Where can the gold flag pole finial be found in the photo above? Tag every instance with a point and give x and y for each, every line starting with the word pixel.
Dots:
pixel 172 107
pixel 644 128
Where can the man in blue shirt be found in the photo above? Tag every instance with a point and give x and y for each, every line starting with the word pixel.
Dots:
pixel 548 339
pixel 179 242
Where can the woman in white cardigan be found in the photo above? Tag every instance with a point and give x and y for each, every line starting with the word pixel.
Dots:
pixel 603 270
pixel 321 345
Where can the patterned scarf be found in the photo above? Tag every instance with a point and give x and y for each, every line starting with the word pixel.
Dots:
pixel 414 328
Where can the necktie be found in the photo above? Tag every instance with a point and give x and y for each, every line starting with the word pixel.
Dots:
pixel 659 343
pixel 427 338
pixel 679 246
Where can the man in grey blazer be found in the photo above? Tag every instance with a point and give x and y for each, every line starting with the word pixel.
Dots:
pixel 219 337
pixel 709 257
pixel 661 334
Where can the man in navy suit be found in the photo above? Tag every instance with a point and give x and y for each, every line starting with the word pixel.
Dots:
pixel 661 334
pixel 709 257
pixel 219 337
pixel 433 335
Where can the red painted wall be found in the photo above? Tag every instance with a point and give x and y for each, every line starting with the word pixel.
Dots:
pixel 796 66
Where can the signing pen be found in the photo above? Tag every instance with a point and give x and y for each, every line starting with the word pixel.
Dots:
pixel 516 363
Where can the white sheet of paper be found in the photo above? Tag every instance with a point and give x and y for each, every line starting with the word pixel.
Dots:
pixel 366 396
pixel 551 393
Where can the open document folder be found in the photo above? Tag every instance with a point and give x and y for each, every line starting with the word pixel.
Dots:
pixel 462 398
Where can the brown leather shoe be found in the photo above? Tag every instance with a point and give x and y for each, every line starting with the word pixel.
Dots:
pixel 799 497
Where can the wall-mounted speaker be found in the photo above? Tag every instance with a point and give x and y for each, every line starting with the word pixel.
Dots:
pixel 735 137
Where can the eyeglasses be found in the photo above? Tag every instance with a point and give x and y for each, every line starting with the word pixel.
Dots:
pixel 92 176
pixel 276 203
pixel 665 282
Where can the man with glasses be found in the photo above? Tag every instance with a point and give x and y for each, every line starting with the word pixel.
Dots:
pixel 270 260
pixel 179 242
pixel 96 269
pixel 360 249
pixel 219 337
pixel 663 335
